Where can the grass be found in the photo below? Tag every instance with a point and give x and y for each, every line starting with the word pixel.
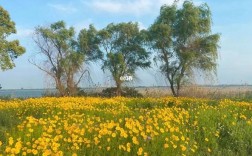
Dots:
pixel 238 93
pixel 125 126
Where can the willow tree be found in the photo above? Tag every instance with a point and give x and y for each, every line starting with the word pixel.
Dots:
pixel 123 51
pixel 9 50
pixel 62 56
pixel 182 40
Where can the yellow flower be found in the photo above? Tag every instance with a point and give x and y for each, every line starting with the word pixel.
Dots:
pixel 113 135
pixel 11 141
pixel 29 151
pixel 183 148
pixel 174 137
pixel 74 154
pixel 135 141
pixel 8 149
pixel 166 145
pixel 162 130
pixel 166 139
pixel 30 130
pixel 183 138
pixel 209 150
pixel 140 151
pixel 47 152
pixel 128 149
pixel 206 139
pixel 35 152
pixel 28 125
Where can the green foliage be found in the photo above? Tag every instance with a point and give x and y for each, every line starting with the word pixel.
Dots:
pixel 9 50
pixel 228 127
pixel 63 61
pixel 182 40
pixel 65 55
pixel 88 44
pixel 123 50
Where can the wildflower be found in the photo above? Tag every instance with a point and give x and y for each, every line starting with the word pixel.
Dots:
pixel 34 152
pixel 183 138
pixel 8 150
pixel 135 141
pixel 162 130
pixel 113 135
pixel 166 145
pixel 166 139
pixel 140 151
pixel 74 154
pixel 183 148
pixel 29 151
pixel 209 150
pixel 11 141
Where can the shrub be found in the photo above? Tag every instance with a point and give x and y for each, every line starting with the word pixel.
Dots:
pixel 126 92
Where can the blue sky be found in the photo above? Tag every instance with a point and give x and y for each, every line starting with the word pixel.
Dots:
pixel 231 18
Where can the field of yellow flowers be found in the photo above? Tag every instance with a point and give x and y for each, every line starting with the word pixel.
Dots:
pixel 125 126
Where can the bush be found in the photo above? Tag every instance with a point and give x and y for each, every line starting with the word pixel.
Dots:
pixel 126 92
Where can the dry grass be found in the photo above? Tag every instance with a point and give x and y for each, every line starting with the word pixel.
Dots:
pixel 212 92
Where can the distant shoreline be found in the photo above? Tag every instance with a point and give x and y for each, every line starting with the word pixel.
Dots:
pixel 222 85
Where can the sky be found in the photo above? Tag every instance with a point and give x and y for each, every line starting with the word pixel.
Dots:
pixel 232 19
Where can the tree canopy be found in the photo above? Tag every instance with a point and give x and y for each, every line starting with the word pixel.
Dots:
pixel 64 55
pixel 182 40
pixel 123 50
pixel 9 50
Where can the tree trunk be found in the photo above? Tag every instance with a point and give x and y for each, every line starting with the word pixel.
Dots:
pixel 174 92
pixel 118 88
pixel 178 89
pixel 71 87
pixel 60 87
pixel 171 81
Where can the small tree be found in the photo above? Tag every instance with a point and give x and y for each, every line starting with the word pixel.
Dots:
pixel 9 50
pixel 63 56
pixel 182 40
pixel 123 51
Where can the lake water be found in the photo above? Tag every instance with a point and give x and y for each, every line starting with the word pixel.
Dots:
pixel 30 93
pixel 23 93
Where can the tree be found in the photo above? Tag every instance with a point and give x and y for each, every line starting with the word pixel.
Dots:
pixel 9 50
pixel 182 40
pixel 123 51
pixel 63 56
